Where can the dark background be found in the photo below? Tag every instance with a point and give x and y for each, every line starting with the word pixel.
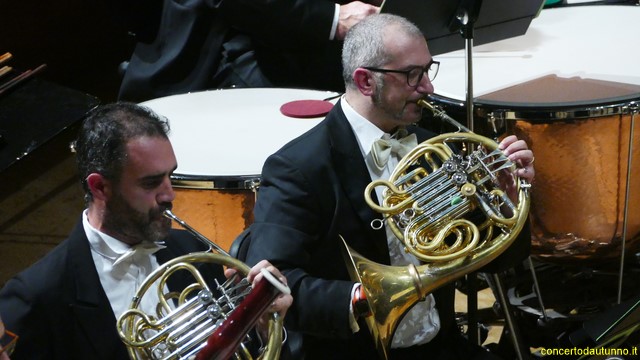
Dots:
pixel 83 42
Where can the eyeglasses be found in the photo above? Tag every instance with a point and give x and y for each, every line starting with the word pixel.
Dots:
pixel 8 342
pixel 415 74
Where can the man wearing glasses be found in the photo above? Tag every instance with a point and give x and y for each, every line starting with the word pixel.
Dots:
pixel 7 342
pixel 312 195
pixel 414 74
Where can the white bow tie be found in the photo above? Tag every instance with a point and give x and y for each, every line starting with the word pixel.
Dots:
pixel 382 149
pixel 137 252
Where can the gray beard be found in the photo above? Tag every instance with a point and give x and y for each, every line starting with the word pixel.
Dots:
pixel 380 103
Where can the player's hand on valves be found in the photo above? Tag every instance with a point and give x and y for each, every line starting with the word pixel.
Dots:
pixel 519 153
pixel 283 301
pixel 280 305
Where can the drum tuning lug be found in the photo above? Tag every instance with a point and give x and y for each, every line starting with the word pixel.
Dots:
pixel 496 120
pixel 252 184
pixel 492 121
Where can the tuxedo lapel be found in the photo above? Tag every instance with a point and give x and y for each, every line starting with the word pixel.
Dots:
pixel 90 305
pixel 353 177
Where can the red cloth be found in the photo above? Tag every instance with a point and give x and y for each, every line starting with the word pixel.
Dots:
pixel 306 108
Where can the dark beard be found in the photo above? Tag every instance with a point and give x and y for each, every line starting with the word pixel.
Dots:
pixel 134 227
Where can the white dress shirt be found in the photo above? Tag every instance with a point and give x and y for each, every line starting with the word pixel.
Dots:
pixel 422 322
pixel 120 281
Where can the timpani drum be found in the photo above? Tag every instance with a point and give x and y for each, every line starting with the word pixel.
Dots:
pixel 570 87
pixel 221 139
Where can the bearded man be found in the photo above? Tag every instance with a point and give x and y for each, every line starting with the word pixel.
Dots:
pixel 66 305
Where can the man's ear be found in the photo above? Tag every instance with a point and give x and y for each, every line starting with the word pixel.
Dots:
pixel 99 186
pixel 363 79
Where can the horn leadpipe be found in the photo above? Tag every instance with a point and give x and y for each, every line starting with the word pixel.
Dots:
pixel 439 114
pixel 167 213
pixel 434 209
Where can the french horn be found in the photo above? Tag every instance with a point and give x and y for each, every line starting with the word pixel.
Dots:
pixel 201 322
pixel 445 203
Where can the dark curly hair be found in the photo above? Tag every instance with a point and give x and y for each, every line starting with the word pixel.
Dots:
pixel 101 143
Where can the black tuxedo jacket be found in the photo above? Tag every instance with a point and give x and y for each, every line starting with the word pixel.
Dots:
pixel 213 44
pixel 60 310
pixel 312 192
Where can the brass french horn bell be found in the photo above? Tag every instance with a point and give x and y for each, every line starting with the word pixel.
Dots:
pixel 202 321
pixel 444 201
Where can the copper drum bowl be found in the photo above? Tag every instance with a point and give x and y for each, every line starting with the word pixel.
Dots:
pixel 570 89
pixel 581 206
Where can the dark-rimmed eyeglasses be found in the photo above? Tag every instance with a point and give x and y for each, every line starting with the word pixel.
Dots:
pixel 415 74
pixel 8 342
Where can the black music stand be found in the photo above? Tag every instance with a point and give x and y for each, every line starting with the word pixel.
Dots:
pixel 492 20
pixel 611 328
pixel 449 25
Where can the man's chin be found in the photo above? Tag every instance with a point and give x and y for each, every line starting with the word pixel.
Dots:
pixel 160 231
pixel 413 107
pixel 412 113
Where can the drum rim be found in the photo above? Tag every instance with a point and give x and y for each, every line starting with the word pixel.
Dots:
pixel 217 182
pixel 274 89
pixel 543 112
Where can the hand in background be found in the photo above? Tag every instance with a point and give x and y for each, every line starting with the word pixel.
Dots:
pixel 351 14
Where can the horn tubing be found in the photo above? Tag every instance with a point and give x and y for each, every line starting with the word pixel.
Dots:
pixel 391 291
pixel 194 232
pixel 236 320
pixel 443 116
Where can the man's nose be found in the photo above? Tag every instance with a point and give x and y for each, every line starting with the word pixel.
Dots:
pixel 425 86
pixel 167 194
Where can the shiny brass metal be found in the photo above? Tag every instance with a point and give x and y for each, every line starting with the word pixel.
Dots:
pixel 426 203
pixel 184 321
